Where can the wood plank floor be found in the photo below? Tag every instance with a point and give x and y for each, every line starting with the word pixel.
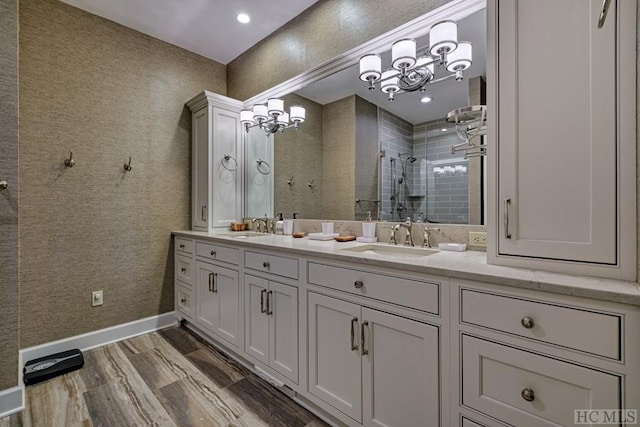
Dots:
pixel 165 378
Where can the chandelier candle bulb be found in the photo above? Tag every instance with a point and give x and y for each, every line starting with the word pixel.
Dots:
pixel 403 54
pixel 443 38
pixel 275 106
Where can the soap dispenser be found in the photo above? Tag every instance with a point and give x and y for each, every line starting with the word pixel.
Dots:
pixel 280 224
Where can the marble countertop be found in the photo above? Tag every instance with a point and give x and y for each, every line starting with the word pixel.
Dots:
pixel 470 265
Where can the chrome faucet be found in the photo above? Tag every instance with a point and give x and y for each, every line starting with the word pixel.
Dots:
pixel 261 226
pixel 427 234
pixel 409 226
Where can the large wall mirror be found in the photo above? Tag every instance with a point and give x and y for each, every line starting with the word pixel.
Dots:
pixel 358 153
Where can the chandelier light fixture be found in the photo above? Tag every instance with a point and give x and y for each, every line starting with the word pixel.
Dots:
pixel 410 72
pixel 271 117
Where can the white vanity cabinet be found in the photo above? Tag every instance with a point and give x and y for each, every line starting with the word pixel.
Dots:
pixel 530 359
pixel 380 369
pixel 184 274
pixel 271 322
pixel 218 292
pixel 217 178
pixel 562 180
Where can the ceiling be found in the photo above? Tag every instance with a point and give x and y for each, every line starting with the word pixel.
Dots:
pixel 206 27
pixel 446 96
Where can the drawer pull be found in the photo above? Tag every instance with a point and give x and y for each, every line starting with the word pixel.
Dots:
pixel 362 337
pixel 181 246
pixel 215 276
pixel 266 264
pixel 354 325
pixel 184 270
pixel 358 284
pixel 203 213
pixel 183 301
pixel 505 218
pixel 528 394
pixel 262 309
pixel 527 322
pixel 269 310
pixel 213 253
pixel 210 282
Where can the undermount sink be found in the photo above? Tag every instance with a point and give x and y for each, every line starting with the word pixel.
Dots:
pixel 247 234
pixel 392 251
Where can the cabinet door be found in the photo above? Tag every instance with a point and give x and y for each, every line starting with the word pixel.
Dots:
pixel 283 325
pixel 206 299
pixel 334 356
pixel 226 288
pixel 557 132
pixel 256 320
pixel 400 371
pixel 226 173
pixel 200 178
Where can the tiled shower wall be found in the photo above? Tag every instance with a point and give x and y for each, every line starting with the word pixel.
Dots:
pixel 397 137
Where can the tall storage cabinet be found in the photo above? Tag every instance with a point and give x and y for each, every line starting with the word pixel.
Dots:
pixel 564 138
pixel 216 166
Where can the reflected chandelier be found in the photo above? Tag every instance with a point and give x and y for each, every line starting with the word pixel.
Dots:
pixel 271 117
pixel 409 72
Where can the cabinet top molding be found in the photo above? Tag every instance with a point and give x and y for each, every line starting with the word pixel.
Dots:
pixel 210 98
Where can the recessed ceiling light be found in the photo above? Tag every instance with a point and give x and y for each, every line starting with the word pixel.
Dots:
pixel 425 99
pixel 244 18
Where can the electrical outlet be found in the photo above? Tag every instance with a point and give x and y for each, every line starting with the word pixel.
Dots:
pixel 477 238
pixel 96 298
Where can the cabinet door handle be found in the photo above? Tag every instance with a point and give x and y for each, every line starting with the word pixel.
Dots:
pixel 215 277
pixel 362 337
pixel 603 13
pixel 213 253
pixel 269 310
pixel 262 293
pixel 358 284
pixel 354 325
pixel 528 394
pixel 505 217
pixel 266 264
pixel 527 322
pixel 204 213
pixel 184 270
pixel 183 301
pixel 210 282
pixel 181 246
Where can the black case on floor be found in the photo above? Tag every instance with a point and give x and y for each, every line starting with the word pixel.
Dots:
pixel 43 368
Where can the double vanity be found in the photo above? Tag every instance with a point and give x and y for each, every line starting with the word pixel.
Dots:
pixel 377 334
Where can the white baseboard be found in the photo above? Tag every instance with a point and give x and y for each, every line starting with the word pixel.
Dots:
pixel 98 338
pixel 11 401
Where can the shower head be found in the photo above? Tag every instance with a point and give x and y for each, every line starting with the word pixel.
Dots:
pixel 408 156
pixel 411 159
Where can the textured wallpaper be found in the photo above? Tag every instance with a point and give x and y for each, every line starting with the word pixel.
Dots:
pixel 106 92
pixel 298 153
pixel 9 197
pixel 325 30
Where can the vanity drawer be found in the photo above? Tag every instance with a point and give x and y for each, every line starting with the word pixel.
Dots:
pixel 526 389
pixel 406 292
pixel 588 331
pixel 218 253
pixel 183 246
pixel 184 303
pixel 275 264
pixel 184 269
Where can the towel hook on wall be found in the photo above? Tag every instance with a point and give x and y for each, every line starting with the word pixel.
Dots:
pixel 312 183
pixel 70 162
pixel 290 181
pixel 127 166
